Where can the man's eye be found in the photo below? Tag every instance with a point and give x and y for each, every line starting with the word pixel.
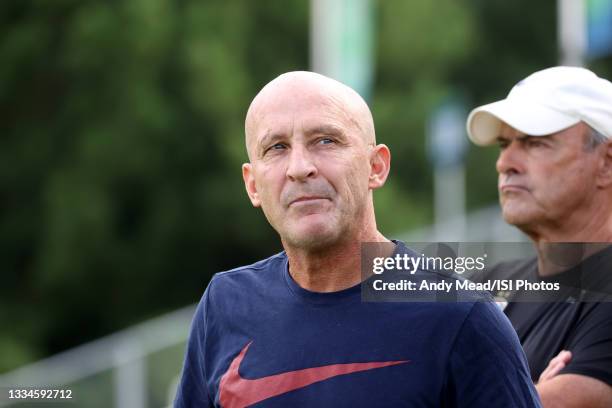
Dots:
pixel 326 140
pixel 503 145
pixel 276 146
pixel 534 143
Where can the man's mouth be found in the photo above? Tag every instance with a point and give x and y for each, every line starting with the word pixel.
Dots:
pixel 307 200
pixel 511 188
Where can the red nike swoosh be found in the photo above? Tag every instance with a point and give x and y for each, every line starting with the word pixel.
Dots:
pixel 238 392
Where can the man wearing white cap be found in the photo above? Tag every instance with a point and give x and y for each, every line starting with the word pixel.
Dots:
pixel 554 131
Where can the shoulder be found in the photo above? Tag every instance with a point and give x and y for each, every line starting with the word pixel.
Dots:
pixel 487 366
pixel 487 329
pixel 248 276
pixel 264 264
pixel 235 291
pixel 228 289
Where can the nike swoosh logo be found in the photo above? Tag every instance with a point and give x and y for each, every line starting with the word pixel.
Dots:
pixel 237 392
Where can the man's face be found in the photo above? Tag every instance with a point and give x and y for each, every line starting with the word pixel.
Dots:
pixel 543 180
pixel 310 167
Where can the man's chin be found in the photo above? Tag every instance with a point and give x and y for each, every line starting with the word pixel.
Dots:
pixel 314 238
pixel 519 219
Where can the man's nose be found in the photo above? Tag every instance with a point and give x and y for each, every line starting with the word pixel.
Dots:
pixel 510 159
pixel 301 165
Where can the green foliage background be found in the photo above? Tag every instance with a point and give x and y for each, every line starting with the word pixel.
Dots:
pixel 122 139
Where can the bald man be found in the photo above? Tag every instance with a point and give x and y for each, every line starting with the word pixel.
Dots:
pixel 292 330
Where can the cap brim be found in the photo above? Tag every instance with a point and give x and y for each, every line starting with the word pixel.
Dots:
pixel 484 123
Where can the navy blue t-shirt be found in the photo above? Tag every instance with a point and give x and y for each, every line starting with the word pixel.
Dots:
pixel 259 339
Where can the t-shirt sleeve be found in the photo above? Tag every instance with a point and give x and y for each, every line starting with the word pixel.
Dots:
pixel 591 346
pixel 192 390
pixel 487 366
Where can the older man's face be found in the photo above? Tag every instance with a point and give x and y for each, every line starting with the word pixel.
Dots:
pixel 309 166
pixel 543 180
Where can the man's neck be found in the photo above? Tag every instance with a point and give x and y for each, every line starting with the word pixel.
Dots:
pixel 557 257
pixel 587 230
pixel 592 224
pixel 332 269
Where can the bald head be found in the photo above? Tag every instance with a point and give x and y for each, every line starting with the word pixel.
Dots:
pixel 303 89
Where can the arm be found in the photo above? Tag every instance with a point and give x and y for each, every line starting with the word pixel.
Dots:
pixel 192 390
pixel 573 390
pixel 487 366
pixel 582 378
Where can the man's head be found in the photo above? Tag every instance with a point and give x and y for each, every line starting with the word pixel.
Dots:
pixel 555 163
pixel 313 160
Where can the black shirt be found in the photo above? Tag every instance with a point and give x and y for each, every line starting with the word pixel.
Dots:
pixel 577 318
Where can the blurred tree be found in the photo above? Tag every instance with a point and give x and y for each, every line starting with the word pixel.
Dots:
pixel 120 183
pixel 420 44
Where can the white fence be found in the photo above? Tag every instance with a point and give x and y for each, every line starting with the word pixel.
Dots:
pixel 117 370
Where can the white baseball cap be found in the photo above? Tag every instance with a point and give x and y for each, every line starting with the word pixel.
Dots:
pixel 547 102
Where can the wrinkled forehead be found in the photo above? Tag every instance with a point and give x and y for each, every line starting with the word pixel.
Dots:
pixel 306 100
pixel 301 109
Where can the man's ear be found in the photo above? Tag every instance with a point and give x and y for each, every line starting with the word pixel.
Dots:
pixel 249 184
pixel 380 164
pixel 604 177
